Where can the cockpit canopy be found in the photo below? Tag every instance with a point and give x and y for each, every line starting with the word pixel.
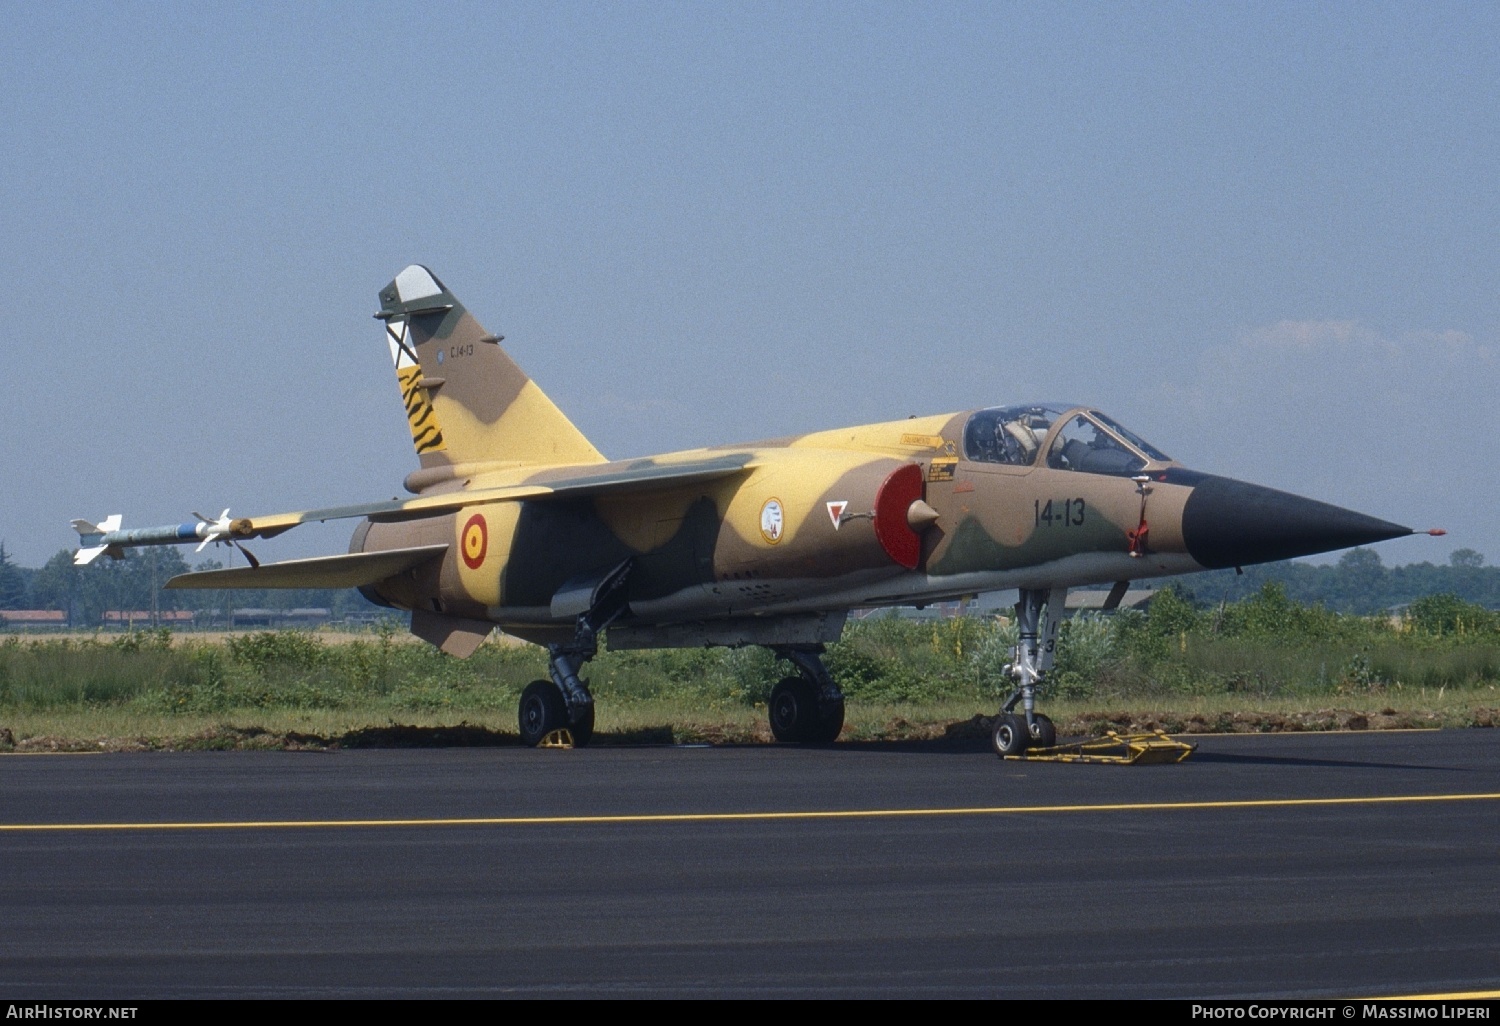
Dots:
pixel 1066 437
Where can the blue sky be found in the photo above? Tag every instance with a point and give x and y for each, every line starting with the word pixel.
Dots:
pixel 1261 235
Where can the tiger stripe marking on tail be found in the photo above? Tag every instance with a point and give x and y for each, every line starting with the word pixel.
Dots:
pixel 426 435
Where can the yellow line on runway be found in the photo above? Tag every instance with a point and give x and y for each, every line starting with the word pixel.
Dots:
pixel 1308 733
pixel 1470 995
pixel 745 817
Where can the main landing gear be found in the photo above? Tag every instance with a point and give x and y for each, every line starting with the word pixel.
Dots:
pixel 1031 659
pixel 810 706
pixel 564 702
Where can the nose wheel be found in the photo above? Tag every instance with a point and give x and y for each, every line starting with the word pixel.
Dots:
pixel 1012 735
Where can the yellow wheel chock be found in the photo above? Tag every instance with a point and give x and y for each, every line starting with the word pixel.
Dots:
pixel 1119 749
pixel 561 738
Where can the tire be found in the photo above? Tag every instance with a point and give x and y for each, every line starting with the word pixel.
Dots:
pixel 582 728
pixel 793 710
pixel 541 711
pixel 1045 735
pixel 829 723
pixel 1011 736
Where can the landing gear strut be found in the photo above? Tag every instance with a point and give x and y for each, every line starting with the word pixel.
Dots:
pixel 564 702
pixel 808 707
pixel 1031 660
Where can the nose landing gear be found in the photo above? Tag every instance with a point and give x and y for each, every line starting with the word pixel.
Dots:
pixel 1038 614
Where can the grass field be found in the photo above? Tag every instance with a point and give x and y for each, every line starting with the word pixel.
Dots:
pixel 675 722
pixel 1264 664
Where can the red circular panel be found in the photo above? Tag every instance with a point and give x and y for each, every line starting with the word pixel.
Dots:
pixel 475 541
pixel 897 492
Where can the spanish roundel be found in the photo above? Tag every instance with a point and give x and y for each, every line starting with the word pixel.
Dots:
pixel 475 541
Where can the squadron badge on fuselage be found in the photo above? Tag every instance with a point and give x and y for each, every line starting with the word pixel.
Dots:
pixel 771 521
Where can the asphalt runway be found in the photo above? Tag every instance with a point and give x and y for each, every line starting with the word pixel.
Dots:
pixel 1269 865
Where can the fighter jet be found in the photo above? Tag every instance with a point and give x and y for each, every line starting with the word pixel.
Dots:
pixel 516 521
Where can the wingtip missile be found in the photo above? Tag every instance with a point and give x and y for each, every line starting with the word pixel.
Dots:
pixel 108 537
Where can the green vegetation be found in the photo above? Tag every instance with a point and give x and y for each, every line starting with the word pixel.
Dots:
pixel 1208 667
pixel 1358 583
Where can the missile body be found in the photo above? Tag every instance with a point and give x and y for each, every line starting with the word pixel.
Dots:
pixel 108 538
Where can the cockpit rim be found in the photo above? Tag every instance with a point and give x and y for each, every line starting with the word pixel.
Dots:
pixel 1062 414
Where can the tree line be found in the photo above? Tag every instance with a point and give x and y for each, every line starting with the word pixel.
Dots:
pixel 135 584
pixel 1358 583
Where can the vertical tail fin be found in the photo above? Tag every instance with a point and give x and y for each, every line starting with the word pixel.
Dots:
pixel 466 400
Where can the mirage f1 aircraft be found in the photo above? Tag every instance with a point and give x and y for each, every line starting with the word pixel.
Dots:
pixel 517 521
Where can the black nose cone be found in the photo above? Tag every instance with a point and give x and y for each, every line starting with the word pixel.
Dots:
pixel 1231 523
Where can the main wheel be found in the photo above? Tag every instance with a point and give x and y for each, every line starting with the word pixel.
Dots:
pixel 1045 734
pixel 582 728
pixel 794 710
pixel 829 721
pixel 542 711
pixel 1011 736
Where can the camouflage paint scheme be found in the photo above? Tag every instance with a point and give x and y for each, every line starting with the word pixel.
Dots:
pixel 516 514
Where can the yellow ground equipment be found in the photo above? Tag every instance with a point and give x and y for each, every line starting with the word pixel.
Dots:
pixel 1121 749
pixel 562 738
